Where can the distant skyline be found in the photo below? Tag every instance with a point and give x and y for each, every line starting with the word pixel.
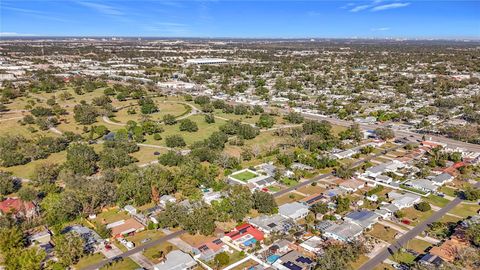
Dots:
pixel 242 19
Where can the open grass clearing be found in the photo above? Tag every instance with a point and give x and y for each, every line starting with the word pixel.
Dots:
pixel 125 264
pixel 244 176
pixel 416 216
pixel 436 200
pixel 382 232
pixel 154 252
pixel 89 260
pixel 465 210
pixel 288 198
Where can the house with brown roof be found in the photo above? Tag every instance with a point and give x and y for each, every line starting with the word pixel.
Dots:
pixel 449 249
pixel 352 185
pixel 125 227
pixel 18 208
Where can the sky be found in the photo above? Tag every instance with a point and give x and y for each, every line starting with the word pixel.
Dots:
pixel 242 19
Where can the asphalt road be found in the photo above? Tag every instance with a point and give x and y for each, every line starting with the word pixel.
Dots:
pixel 400 133
pixel 136 250
pixel 385 253
pixel 322 176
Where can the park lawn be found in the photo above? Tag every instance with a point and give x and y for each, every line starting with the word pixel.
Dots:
pixel 244 176
pixel 26 170
pixel 126 264
pixel 288 198
pixel 154 252
pixel 146 234
pixel 12 128
pixel 175 109
pixel 465 210
pixel 204 131
pixel 250 119
pixel 265 140
pixel 89 260
pixel 146 154
pixel 436 200
pixel 359 262
pixel 448 190
pixel 418 245
pixel 384 233
pixel 416 216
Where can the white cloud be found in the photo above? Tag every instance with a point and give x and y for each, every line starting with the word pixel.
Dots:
pixel 15 34
pixel 102 8
pixel 390 6
pixel 359 8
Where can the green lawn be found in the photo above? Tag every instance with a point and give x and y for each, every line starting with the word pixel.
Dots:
pixel 154 252
pixel 403 257
pixel 89 260
pixel 416 216
pixel 384 233
pixel 244 176
pixel 465 210
pixel 417 245
pixel 126 264
pixel 448 190
pixel 436 200
pixel 147 234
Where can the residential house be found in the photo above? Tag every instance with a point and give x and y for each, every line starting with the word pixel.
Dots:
pixel 245 235
pixel 130 209
pixel 267 168
pixel 403 200
pixel 272 224
pixel 300 166
pixel 18 208
pixel 294 210
pixel 424 185
pixel 176 260
pixel 294 260
pixel 255 182
pixel 442 178
pixel 125 227
pixel 314 245
pixel 364 218
pixel 313 199
pixel 345 231
pixel 210 196
pixel 166 199
pixel 90 238
pixel 352 185
pixel 208 250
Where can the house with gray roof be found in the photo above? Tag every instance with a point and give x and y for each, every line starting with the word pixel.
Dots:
pixel 422 185
pixel 443 178
pixel 176 260
pixel 294 210
pixel 273 223
pixel 345 231
pixel 364 218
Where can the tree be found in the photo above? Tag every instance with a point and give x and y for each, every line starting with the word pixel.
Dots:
pixel 147 105
pixel 188 125
pixel 169 119
pixel 175 141
pixel 221 259
pixel 171 158
pixel 69 248
pixel 471 194
pixel 61 207
pixel 385 133
pixel 319 208
pixel 114 158
pixel 339 256
pixel 294 117
pixel 343 204
pixel 344 171
pixel 266 121
pixel 423 206
pixel 81 159
pixel 209 118
pixel 264 202
pixel 8 184
pixel 473 234
pixel 200 100
pixel 85 114
pixel 11 239
pixel 27 193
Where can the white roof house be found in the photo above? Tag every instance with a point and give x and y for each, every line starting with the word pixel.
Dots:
pixel 346 231
pixel 294 210
pixel 176 260
pixel 422 185
pixel 442 179
pixel 403 200
pixel 313 244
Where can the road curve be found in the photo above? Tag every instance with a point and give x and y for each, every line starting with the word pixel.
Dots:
pixel 386 252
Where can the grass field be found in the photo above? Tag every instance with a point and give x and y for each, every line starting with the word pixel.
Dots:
pixel 172 108
pixel 153 252
pixel 465 210
pixel 382 232
pixel 126 264
pixel 288 198
pixel 244 176
pixel 403 257
pixel 146 154
pixel 204 131
pixel 447 190
pixel 417 245
pixel 26 171
pixel 89 260
pixel 436 200
pixel 416 216
pixel 359 262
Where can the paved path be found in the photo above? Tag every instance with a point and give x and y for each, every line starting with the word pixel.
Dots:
pixel 410 235
pixel 141 260
pixel 108 121
pixel 11 118
pixel 136 250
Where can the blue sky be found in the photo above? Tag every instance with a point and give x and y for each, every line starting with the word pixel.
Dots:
pixel 251 19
